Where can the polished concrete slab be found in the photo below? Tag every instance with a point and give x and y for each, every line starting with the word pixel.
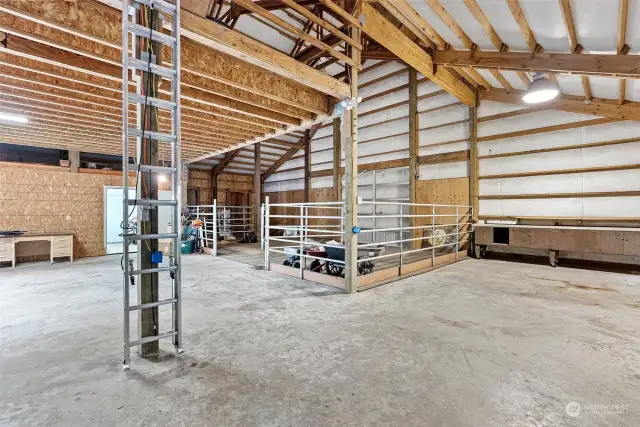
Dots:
pixel 477 343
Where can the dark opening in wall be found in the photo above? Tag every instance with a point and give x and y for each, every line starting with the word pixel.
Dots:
pixel 501 235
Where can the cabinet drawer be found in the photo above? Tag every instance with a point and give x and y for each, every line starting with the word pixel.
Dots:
pixel 6 249
pixel 61 239
pixel 6 257
pixel 61 252
pixel 61 245
pixel 5 243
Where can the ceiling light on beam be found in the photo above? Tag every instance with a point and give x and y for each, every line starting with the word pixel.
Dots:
pixel 541 90
pixel 11 118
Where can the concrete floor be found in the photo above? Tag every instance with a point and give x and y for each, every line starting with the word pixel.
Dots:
pixel 478 343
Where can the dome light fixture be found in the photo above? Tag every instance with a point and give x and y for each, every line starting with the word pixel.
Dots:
pixel 541 90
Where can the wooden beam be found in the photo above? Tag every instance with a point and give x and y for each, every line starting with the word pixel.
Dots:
pixel 453 156
pixel 585 64
pixel 346 15
pixel 289 154
pixel 628 111
pixel 561 195
pixel 322 23
pixel 474 166
pixel 228 158
pixel 567 15
pixel 623 12
pixel 307 165
pixel 410 18
pixel 562 171
pixel 349 136
pixel 410 24
pixel 414 151
pixel 451 23
pixel 248 4
pixel 521 20
pixel 381 30
pixel 242 47
pixel 482 19
pixel 622 47
pixel 270 5
pixel 337 159
pixel 70 17
pixel 257 191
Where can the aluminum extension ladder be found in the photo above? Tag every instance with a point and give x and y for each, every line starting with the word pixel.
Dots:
pixel 170 11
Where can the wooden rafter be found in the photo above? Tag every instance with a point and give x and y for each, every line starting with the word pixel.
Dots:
pixel 498 43
pixel 567 16
pixel 583 64
pixel 622 47
pixel 253 7
pixel 224 162
pixel 521 20
pixel 323 23
pixel 74 30
pixel 381 30
pixel 289 154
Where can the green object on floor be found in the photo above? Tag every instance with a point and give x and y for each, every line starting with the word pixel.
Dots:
pixel 186 246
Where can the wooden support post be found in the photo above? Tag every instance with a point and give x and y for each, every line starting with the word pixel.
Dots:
pixel 473 156
pixel 214 184
pixel 414 144
pixel 74 161
pixel 337 159
pixel 349 135
pixel 148 189
pixel 257 191
pixel 307 165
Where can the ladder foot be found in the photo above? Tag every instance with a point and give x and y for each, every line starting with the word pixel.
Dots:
pixel 179 351
pixel 126 367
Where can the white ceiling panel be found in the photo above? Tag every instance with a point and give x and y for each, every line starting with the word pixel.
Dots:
pixel 596 23
pixel 604 87
pixel 489 78
pixel 460 13
pixel 633 29
pixel 434 20
pixel 633 90
pixel 570 85
pixel 513 79
pixel 545 19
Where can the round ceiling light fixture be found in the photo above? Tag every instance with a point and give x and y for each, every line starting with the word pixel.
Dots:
pixel 541 90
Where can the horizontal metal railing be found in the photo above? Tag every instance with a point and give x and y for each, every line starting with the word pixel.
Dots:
pixel 303 225
pixel 224 220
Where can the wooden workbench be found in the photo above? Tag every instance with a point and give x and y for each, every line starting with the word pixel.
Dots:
pixel 599 240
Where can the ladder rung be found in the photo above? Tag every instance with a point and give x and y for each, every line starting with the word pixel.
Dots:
pixel 153 304
pixel 151 338
pixel 152 270
pixel 145 66
pixel 149 202
pixel 157 136
pixel 154 102
pixel 160 5
pixel 157 36
pixel 155 169
pixel 151 236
